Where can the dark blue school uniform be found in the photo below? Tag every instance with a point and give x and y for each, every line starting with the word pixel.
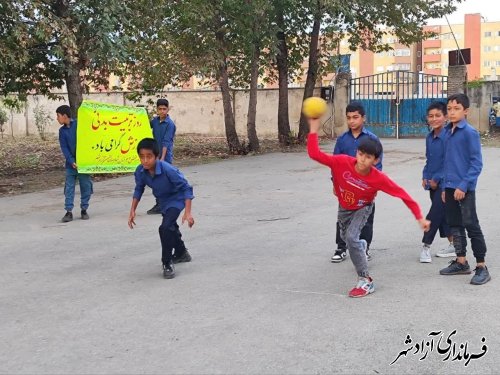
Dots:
pixel 462 165
pixel 164 133
pixel 434 170
pixel 171 189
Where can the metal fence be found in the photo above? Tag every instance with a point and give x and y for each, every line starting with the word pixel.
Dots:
pixel 396 102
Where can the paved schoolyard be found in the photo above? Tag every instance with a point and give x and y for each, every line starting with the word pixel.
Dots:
pixel 260 295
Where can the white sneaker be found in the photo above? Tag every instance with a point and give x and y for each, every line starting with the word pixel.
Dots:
pixel 425 255
pixel 447 252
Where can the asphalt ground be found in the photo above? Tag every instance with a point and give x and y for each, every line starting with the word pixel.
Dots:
pixel 260 295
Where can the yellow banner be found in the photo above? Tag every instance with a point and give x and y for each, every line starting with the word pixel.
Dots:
pixel 107 137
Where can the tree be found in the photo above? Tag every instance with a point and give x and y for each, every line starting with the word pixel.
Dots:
pixel 200 37
pixel 365 22
pixel 77 43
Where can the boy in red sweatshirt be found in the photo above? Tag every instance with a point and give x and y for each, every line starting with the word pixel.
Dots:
pixel 356 182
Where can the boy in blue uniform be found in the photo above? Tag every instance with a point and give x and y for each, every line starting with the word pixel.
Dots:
pixel 164 133
pixel 347 144
pixel 432 180
pixel 174 194
pixel 462 166
pixel 67 141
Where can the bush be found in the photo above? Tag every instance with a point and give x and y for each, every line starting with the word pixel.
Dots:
pixel 42 120
pixel 3 120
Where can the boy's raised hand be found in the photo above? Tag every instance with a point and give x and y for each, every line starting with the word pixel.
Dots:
pixel 314 125
pixel 424 224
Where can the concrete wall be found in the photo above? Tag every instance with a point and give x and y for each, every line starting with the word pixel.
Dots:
pixel 198 112
pixel 480 103
pixel 201 111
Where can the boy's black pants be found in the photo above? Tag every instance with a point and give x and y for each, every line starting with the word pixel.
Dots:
pixel 170 235
pixel 461 216
pixel 366 232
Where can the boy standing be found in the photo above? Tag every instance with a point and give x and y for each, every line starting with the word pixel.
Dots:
pixel 67 141
pixel 356 183
pixel 164 134
pixel 347 144
pixel 432 180
pixel 462 166
pixel 173 193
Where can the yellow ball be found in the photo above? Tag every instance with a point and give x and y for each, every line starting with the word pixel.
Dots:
pixel 314 107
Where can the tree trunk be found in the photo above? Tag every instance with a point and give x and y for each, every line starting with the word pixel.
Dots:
pixel 282 63
pixel 75 88
pixel 72 61
pixel 312 73
pixel 232 137
pixel 253 140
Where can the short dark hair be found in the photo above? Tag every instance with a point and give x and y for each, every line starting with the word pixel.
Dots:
pixel 162 101
pixel 355 107
pixel 370 146
pixel 64 110
pixel 148 144
pixel 460 99
pixel 440 106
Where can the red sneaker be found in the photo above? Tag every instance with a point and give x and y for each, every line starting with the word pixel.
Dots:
pixel 364 287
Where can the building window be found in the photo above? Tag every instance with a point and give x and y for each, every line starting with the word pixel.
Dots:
pixel 402 52
pixel 498 63
pixel 400 67
pixel 486 63
pixel 380 69
pixel 487 48
pixel 487 34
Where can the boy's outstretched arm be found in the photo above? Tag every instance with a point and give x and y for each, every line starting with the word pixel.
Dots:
pixel 187 214
pixel 131 216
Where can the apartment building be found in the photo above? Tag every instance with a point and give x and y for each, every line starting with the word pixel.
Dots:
pixel 431 56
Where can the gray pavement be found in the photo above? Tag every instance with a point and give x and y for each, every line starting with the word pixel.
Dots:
pixel 260 296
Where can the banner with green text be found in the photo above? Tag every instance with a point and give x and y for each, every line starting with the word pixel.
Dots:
pixel 107 137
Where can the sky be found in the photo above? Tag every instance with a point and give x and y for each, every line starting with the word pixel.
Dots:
pixel 486 7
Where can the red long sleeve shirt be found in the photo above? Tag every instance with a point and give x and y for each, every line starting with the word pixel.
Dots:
pixel 354 190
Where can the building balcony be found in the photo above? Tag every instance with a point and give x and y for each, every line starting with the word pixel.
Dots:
pixel 432 58
pixel 431 44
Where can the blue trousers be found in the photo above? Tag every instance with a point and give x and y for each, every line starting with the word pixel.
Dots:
pixel 170 235
pixel 86 189
pixel 437 217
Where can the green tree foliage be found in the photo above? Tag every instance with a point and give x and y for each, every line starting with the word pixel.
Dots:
pixel 77 43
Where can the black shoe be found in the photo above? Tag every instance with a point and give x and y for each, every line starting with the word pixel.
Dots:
pixel 168 271
pixel 339 256
pixel 85 215
pixel 481 277
pixel 184 258
pixel 68 217
pixel 155 210
pixel 456 268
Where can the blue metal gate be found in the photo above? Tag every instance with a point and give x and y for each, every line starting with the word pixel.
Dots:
pixel 396 102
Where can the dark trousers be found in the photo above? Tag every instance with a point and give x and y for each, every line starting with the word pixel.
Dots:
pixel 366 232
pixel 437 218
pixel 462 216
pixel 170 235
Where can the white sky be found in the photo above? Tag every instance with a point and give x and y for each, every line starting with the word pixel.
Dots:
pixel 489 9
